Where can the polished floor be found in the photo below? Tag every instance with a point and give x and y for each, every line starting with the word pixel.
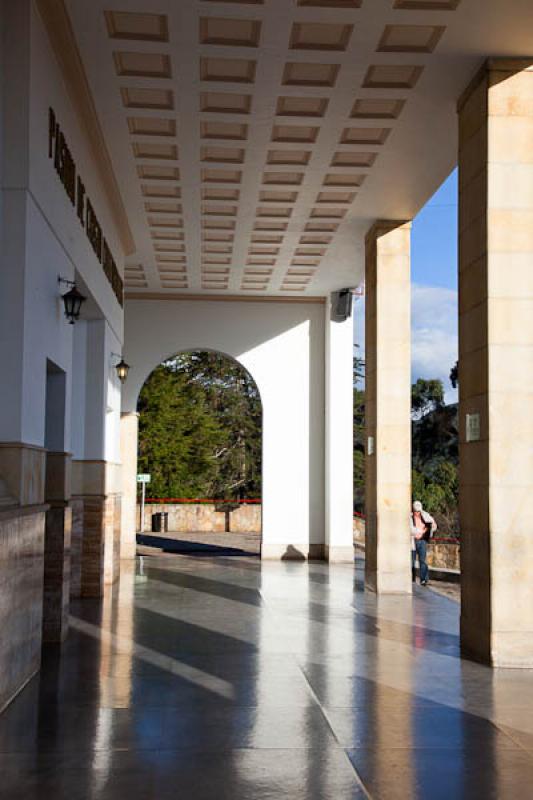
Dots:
pixel 205 678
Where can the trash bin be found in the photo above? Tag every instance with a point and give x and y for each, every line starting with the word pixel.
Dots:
pixel 156 522
pixel 164 521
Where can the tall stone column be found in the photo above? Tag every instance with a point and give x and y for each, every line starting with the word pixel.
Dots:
pixel 129 430
pixel 339 438
pixel 496 363
pixel 388 407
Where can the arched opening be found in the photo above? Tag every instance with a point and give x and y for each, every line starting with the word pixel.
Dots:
pixel 200 457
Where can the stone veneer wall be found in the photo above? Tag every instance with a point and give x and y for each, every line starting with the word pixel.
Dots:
pixel 100 542
pixel 57 573
pixel 204 517
pixel 21 597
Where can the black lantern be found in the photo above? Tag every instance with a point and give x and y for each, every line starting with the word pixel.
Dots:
pixel 122 370
pixel 72 301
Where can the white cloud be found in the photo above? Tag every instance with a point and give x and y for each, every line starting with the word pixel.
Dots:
pixel 434 333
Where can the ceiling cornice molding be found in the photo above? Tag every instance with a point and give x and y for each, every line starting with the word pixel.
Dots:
pixel 61 34
pixel 220 298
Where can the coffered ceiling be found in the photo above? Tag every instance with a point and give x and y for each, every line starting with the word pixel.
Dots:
pixel 255 141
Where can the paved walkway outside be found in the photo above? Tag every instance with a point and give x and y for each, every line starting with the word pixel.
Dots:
pixel 228 679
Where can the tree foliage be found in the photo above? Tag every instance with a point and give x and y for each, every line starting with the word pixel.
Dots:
pixel 426 396
pixel 200 428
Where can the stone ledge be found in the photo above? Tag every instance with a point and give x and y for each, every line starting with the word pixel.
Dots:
pixel 23 511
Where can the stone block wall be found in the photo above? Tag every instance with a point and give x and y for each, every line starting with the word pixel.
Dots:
pixel 21 597
pixel 56 595
pixel 205 518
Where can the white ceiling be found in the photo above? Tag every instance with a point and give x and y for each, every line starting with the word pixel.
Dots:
pixel 307 237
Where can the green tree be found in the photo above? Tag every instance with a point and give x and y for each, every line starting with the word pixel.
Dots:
pixel 200 428
pixel 426 396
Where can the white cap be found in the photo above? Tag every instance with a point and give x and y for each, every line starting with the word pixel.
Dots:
pixel 417 505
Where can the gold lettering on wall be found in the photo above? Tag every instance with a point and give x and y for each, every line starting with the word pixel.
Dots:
pixel 65 167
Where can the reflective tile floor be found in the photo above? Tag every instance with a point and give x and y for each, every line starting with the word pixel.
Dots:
pixel 224 679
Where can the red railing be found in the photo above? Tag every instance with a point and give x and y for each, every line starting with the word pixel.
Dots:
pixel 195 500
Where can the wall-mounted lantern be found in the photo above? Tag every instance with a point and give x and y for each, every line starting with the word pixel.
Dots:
pixel 121 368
pixel 72 300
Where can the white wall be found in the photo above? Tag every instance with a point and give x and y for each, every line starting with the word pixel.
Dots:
pixel 281 344
pixel 42 238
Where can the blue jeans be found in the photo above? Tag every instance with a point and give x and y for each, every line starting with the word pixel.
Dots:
pixel 421 548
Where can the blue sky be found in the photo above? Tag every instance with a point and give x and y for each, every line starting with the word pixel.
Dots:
pixel 434 294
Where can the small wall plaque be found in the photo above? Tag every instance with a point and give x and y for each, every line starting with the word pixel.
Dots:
pixel 473 427
pixel 370 446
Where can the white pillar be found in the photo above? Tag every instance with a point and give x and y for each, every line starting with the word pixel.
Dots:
pixel 129 430
pixel 339 438
pixel 388 407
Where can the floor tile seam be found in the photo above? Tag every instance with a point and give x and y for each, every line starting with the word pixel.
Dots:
pixel 325 715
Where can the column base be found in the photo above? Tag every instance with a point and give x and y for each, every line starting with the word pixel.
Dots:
pixel 388 582
pixel 56 595
pixel 292 552
pixel 339 554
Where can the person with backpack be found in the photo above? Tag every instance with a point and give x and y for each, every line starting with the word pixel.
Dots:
pixel 423 526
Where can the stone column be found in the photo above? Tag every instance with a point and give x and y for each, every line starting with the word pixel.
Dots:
pixel 57 536
pixel 388 407
pixel 96 527
pixel 339 438
pixel 496 363
pixel 129 428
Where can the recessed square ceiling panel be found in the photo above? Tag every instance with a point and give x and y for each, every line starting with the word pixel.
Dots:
pixel 301 106
pixel 344 179
pixel 273 211
pixel 152 126
pixel 336 197
pixel 278 197
pixel 263 225
pixel 315 239
pixel 225 102
pixel 281 178
pixel 233 32
pixel 165 222
pixel 147 98
pixel 326 227
pixel 221 175
pixel 410 38
pixel 427 5
pixel 219 211
pixel 289 157
pixel 157 207
pixel 319 36
pixel 335 213
pixel 136 26
pixel 156 150
pixel 218 224
pixel 220 194
pixel 377 108
pixel 223 155
pixel 374 136
pixel 392 76
pixel 346 158
pixel 229 70
pixel 223 130
pixel 173 236
pixel 295 133
pixel 157 173
pixel 331 3
pixel 160 190
pixel 217 236
pixel 310 74
pixel 143 65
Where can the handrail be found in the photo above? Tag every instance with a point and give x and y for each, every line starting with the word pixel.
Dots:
pixel 211 500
